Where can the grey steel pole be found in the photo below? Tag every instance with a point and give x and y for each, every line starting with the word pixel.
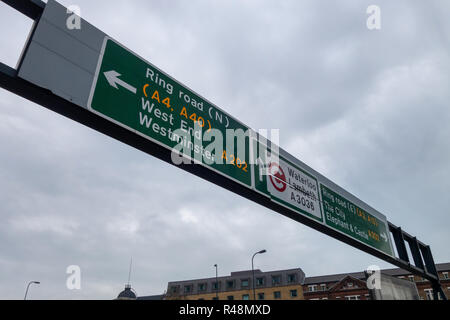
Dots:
pixel 253 273
pixel 217 283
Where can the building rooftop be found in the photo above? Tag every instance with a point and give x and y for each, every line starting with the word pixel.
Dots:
pixel 360 275
pixel 237 274
pixel 245 273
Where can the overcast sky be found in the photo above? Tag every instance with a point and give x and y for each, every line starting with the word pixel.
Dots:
pixel 368 109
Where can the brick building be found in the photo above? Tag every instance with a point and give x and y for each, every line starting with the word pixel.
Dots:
pixel 293 285
pixel 352 286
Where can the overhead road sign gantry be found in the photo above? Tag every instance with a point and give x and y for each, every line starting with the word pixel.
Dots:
pixel 93 79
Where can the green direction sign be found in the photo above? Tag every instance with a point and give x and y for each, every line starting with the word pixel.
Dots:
pixel 348 218
pixel 133 93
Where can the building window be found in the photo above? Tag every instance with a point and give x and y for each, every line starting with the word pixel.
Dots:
pixel 261 296
pixel 188 289
pixel 312 288
pixel 230 284
pixel 230 298
pixel 323 287
pixel 245 297
pixel 291 278
pixel 293 293
pixel 259 282
pixel 445 275
pixel 216 286
pixel 202 287
pixel 276 280
pixel 350 284
pixel 244 283
pixel 277 295
pixel 411 278
pixel 174 289
pixel 429 294
pixel 352 297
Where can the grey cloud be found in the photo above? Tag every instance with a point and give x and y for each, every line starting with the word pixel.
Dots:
pixel 367 109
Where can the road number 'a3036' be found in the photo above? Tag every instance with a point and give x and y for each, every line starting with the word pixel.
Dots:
pixel 302 200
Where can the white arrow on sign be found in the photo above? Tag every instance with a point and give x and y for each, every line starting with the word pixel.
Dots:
pixel 383 235
pixel 113 80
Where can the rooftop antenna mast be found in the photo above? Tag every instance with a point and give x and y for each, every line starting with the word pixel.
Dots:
pixel 129 271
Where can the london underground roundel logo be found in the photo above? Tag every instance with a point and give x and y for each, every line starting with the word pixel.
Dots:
pixel 277 177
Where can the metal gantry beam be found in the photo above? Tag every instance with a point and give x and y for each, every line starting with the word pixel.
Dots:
pixel 424 264
pixel 399 241
pixel 31 8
